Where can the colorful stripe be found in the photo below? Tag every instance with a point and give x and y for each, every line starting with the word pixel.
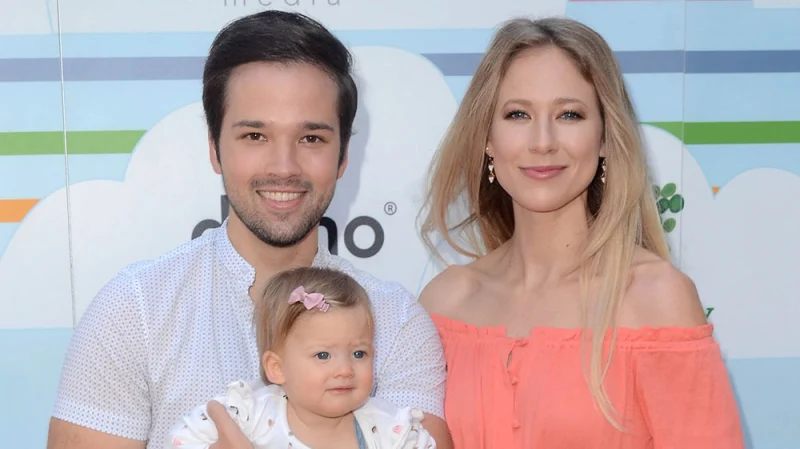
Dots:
pixel 703 133
pixel 78 142
pixel 450 64
pixel 13 211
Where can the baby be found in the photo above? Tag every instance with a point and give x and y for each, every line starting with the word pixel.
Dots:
pixel 314 331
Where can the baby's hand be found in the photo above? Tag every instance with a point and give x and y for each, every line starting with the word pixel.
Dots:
pixel 230 436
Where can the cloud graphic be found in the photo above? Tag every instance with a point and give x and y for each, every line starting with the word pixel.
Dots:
pixel 125 16
pixel 170 187
pixel 741 249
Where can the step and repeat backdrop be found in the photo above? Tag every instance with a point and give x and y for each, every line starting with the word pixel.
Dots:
pixel 103 160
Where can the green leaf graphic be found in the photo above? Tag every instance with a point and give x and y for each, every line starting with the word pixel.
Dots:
pixel 676 204
pixel 669 224
pixel 663 205
pixel 669 190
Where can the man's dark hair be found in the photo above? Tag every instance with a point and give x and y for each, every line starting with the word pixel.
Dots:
pixel 282 37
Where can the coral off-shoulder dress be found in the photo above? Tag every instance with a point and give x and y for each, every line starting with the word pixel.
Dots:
pixel 669 384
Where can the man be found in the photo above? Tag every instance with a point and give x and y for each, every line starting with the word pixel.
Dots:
pixel 168 334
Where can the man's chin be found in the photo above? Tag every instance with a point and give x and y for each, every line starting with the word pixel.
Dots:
pixel 283 239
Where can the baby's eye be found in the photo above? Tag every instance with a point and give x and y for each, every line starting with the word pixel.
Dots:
pixel 360 354
pixel 322 355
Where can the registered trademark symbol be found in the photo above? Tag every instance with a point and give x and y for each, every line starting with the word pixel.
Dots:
pixel 390 208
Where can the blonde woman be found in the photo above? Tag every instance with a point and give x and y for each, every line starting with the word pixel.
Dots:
pixel 571 328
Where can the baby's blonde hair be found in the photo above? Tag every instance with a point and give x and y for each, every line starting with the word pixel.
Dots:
pixel 274 316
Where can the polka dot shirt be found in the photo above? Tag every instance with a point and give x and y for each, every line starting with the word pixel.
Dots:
pixel 168 334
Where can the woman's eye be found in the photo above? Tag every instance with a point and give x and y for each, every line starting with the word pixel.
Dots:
pixel 571 115
pixel 517 115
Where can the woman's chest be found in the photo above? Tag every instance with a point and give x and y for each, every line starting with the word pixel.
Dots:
pixel 528 393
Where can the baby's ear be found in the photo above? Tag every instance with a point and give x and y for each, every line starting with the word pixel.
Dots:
pixel 273 367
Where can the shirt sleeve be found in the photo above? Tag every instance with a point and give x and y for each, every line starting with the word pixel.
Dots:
pixel 414 371
pixel 103 381
pixel 686 396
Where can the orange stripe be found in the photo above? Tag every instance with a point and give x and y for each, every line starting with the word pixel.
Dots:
pixel 715 189
pixel 13 211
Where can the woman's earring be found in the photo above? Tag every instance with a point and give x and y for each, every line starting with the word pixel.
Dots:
pixel 491 170
pixel 603 168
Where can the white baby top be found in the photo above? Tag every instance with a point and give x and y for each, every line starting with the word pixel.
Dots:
pixel 167 334
pixel 260 411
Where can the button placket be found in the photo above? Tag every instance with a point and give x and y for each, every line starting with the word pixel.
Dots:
pixel 513 377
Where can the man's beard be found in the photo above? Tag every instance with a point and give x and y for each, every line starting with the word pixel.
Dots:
pixel 269 231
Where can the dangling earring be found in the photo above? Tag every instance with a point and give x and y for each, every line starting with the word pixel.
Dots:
pixel 603 168
pixel 491 170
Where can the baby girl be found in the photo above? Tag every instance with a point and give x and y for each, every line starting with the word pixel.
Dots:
pixel 314 332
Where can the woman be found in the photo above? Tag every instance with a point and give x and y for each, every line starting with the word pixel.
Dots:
pixel 571 328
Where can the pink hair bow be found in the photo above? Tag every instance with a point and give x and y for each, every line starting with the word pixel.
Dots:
pixel 310 300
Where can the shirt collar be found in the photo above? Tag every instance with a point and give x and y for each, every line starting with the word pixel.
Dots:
pixel 243 272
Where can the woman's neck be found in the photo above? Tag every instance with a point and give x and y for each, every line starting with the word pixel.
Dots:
pixel 545 247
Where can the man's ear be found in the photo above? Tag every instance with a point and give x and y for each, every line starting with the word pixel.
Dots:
pixel 273 367
pixel 212 154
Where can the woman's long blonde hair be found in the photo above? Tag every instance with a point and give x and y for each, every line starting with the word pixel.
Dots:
pixel 623 213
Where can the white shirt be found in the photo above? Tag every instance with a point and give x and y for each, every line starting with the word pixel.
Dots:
pixel 168 334
pixel 260 411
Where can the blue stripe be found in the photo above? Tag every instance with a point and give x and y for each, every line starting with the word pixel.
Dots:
pixel 30 364
pixel 129 105
pixel 7 231
pixel 39 176
pixel 90 45
pixel 634 26
pixel 31 176
pixel 742 97
pixel 90 167
pixel 737 25
pixel 657 97
pixel 119 105
pixel 30 107
pixel 29 46
pixel 721 163
pixel 451 64
pixel 755 61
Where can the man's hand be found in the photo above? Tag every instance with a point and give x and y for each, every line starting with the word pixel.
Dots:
pixel 437 427
pixel 230 436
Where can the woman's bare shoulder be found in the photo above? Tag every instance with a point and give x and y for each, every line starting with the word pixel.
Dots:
pixel 449 289
pixel 660 295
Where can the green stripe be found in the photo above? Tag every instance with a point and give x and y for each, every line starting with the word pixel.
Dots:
pixel 123 142
pixel 78 142
pixel 700 133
